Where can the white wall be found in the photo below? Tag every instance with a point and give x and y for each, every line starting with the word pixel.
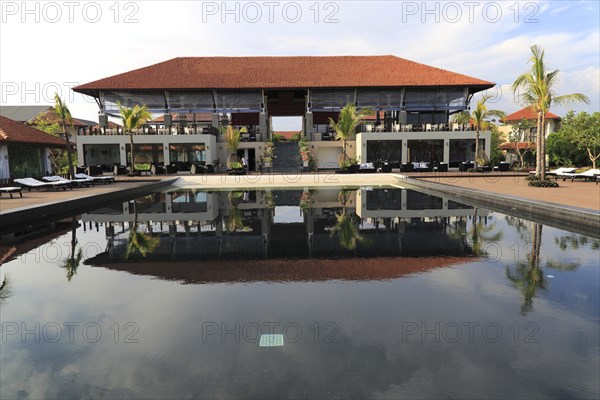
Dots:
pixel 122 140
pixel 4 166
pixel 362 138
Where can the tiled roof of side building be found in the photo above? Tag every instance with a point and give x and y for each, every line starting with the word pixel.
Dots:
pixel 527 113
pixel 18 132
pixel 281 73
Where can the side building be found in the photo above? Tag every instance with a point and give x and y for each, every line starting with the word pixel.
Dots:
pixel 195 96
pixel 25 151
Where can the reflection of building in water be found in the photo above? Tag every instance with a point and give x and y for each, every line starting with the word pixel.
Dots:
pixel 325 223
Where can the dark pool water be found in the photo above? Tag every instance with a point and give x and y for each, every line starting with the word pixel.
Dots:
pixel 309 293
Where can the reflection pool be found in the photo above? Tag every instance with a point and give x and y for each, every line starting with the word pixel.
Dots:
pixel 364 292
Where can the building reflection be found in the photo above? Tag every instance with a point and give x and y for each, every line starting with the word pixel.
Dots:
pixel 198 225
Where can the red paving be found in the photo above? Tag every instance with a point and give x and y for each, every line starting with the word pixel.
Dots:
pixel 576 194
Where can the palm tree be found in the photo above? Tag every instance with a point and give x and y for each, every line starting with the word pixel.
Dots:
pixel 537 88
pixel 345 127
pixel 479 115
pixel 132 119
pixel 62 110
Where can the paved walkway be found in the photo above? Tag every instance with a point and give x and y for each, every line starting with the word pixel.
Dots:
pixel 576 194
pixel 35 198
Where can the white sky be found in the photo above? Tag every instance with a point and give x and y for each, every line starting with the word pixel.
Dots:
pixel 47 46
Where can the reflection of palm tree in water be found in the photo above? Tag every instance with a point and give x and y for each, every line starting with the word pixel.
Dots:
pixel 139 242
pixel 5 289
pixel 529 276
pixel 234 220
pixel 479 234
pixel 482 234
pixel 346 227
pixel 72 263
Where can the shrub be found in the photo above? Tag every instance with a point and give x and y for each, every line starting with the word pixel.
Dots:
pixel 536 182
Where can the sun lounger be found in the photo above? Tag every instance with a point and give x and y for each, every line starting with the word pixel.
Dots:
pixel 366 168
pixel 558 172
pixel 10 190
pixel 103 179
pixel 60 179
pixel 589 174
pixel 31 183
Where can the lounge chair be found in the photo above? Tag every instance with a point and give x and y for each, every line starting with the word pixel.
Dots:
pixel 10 190
pixel 589 174
pixel 76 182
pixel 103 179
pixel 386 168
pixel 558 172
pixel 366 168
pixel 31 183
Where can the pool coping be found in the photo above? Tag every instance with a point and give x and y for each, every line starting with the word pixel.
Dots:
pixel 580 220
pixel 44 213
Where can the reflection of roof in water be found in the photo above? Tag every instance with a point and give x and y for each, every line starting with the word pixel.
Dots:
pixel 12 251
pixel 282 270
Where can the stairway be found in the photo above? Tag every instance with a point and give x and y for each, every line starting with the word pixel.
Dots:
pixel 286 157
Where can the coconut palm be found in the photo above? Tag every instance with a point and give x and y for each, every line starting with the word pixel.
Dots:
pixel 345 127
pixel 537 89
pixel 64 114
pixel 133 118
pixel 479 116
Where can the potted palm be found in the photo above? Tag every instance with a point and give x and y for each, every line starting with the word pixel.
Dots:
pixel 345 127
pixel 304 151
pixel 268 154
pixel 232 142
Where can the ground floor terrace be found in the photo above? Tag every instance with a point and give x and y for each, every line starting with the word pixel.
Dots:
pixel 395 148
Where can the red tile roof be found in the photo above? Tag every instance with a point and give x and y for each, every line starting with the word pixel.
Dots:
pixel 111 125
pixel 287 270
pixel 282 72
pixel 13 131
pixel 50 117
pixel 527 113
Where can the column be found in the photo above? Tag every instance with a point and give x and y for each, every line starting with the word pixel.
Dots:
pixel 309 125
pixel 404 150
pixel 447 151
pixel 215 120
pixel 123 153
pixel 262 124
pixel 166 154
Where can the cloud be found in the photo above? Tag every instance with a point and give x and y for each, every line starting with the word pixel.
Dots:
pixel 479 45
